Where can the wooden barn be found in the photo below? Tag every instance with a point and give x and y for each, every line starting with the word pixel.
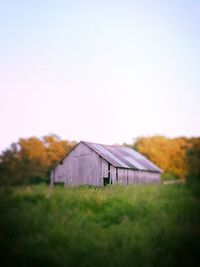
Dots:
pixel 99 165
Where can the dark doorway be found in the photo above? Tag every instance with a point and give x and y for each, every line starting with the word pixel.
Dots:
pixel 106 181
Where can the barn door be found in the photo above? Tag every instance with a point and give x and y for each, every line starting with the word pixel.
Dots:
pixel 107 180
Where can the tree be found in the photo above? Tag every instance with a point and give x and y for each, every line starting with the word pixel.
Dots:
pixel 167 153
pixel 193 159
pixel 30 160
pixel 8 164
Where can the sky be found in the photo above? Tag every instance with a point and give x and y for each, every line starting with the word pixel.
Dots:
pixel 101 71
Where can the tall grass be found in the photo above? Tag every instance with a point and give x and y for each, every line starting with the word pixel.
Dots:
pixel 112 226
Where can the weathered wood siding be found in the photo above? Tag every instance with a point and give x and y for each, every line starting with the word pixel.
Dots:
pixel 127 176
pixel 81 166
pixel 113 174
pixel 57 174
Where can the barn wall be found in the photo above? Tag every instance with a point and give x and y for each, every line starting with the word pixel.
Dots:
pixel 122 176
pixel 127 176
pixel 113 174
pixel 57 174
pixel 147 177
pixel 81 166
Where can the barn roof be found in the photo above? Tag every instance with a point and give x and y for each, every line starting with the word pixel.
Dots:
pixel 123 157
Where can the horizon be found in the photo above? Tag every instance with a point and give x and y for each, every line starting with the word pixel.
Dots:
pixel 100 143
pixel 106 72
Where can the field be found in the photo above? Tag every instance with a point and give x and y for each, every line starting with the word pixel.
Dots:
pixel 112 226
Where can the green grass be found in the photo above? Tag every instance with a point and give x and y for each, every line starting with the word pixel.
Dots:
pixel 113 226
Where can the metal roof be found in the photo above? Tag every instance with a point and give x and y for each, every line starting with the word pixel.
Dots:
pixel 123 157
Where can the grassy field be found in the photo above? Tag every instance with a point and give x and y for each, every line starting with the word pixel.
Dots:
pixel 113 226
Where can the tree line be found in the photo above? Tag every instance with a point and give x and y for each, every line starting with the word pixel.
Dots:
pixel 30 160
pixel 179 158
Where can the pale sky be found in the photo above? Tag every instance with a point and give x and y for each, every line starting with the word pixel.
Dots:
pixel 101 71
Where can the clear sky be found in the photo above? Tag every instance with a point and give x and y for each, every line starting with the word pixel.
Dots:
pixel 103 71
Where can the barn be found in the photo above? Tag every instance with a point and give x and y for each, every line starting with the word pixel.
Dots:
pixel 99 165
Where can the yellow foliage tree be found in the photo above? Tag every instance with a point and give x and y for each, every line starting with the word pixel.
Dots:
pixel 31 159
pixel 167 153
